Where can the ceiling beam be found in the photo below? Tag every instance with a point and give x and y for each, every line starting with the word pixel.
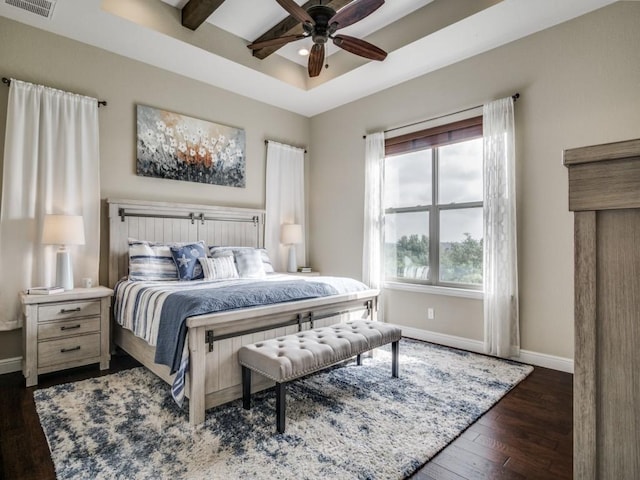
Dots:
pixel 291 26
pixel 195 12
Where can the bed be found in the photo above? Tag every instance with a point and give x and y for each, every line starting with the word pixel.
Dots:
pixel 213 339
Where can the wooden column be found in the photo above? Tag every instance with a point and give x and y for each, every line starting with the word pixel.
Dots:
pixel 585 365
pixel 604 191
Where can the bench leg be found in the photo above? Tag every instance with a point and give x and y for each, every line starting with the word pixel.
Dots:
pixel 359 359
pixel 246 388
pixel 281 403
pixel 394 358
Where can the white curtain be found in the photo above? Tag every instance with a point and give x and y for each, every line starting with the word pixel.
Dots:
pixel 51 166
pixel 501 322
pixel 284 201
pixel 372 254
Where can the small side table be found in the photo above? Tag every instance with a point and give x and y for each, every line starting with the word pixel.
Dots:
pixel 304 274
pixel 65 330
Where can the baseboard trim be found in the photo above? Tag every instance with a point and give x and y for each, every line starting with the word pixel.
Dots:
pixel 526 356
pixel 10 365
pixel 443 339
pixel 548 361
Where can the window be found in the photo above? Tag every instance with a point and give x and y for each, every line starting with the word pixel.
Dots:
pixel 433 206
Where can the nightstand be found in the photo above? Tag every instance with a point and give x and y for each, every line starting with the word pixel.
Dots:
pixel 304 274
pixel 65 330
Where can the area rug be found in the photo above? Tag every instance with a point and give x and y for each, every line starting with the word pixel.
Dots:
pixel 346 422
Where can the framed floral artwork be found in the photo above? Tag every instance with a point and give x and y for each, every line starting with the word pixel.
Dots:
pixel 178 147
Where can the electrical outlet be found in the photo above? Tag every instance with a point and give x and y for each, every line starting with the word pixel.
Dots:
pixel 430 314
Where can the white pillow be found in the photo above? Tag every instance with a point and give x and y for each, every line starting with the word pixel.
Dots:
pixel 214 251
pixel 218 268
pixel 250 264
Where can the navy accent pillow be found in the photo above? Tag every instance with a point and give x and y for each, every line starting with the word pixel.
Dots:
pixel 186 258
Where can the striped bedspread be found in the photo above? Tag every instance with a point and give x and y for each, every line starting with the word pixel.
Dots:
pixel 156 311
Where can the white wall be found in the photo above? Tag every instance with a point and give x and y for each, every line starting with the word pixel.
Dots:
pixel 34 55
pixel 579 84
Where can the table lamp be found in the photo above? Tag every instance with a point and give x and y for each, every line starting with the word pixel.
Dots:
pixel 291 234
pixel 63 230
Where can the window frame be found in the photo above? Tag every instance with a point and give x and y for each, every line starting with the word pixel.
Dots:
pixel 433 138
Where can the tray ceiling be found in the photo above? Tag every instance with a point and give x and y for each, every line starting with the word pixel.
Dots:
pixel 420 36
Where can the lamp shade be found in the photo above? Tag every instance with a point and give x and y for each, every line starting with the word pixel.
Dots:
pixel 291 233
pixel 63 230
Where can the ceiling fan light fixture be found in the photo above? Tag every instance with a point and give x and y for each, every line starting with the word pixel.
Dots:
pixel 320 23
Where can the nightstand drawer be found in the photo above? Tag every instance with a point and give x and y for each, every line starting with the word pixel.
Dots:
pixel 60 311
pixel 69 327
pixel 54 352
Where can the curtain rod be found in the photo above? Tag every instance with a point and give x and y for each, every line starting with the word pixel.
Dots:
pixel 7 82
pixel 266 142
pixel 515 97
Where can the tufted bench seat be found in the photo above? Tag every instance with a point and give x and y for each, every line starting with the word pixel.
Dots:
pixel 286 358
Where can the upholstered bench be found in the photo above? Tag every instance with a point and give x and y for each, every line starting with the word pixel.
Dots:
pixel 286 358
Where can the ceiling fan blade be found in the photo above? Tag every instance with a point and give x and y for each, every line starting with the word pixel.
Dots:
pixel 316 59
pixel 354 12
pixel 275 42
pixel 359 47
pixel 296 11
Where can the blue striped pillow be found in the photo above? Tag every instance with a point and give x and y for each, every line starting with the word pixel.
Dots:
pixel 152 261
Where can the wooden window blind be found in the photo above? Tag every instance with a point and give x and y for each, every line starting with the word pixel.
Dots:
pixel 434 137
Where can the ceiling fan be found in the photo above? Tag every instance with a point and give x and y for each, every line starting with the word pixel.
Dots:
pixel 321 22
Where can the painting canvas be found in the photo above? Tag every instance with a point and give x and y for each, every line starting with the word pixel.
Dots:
pixel 179 147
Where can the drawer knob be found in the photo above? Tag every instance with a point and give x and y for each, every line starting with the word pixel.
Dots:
pixel 72 327
pixel 66 350
pixel 69 310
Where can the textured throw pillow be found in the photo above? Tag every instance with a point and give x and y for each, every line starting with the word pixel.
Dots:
pixel 268 267
pixel 186 260
pixel 150 261
pixel 249 263
pixel 266 261
pixel 219 252
pixel 219 268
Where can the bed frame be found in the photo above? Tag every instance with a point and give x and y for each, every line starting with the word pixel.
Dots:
pixel 214 340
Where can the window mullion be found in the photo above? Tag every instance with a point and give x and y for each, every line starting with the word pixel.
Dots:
pixel 419 208
pixel 459 206
pixel 434 222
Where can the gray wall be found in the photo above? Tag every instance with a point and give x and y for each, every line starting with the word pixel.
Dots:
pixel 40 57
pixel 579 84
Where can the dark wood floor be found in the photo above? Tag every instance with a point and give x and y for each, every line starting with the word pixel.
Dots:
pixel 527 435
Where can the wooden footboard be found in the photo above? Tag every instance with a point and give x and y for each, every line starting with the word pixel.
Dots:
pixel 214 340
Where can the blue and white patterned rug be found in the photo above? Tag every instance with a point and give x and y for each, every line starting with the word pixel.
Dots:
pixel 346 422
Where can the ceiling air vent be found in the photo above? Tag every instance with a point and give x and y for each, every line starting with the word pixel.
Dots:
pixel 44 8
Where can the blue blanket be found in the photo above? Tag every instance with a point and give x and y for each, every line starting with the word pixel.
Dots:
pixel 178 306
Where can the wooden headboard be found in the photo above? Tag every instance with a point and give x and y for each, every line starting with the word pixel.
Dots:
pixel 174 222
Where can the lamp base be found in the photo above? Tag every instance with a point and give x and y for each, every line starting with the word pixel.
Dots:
pixel 64 271
pixel 292 265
